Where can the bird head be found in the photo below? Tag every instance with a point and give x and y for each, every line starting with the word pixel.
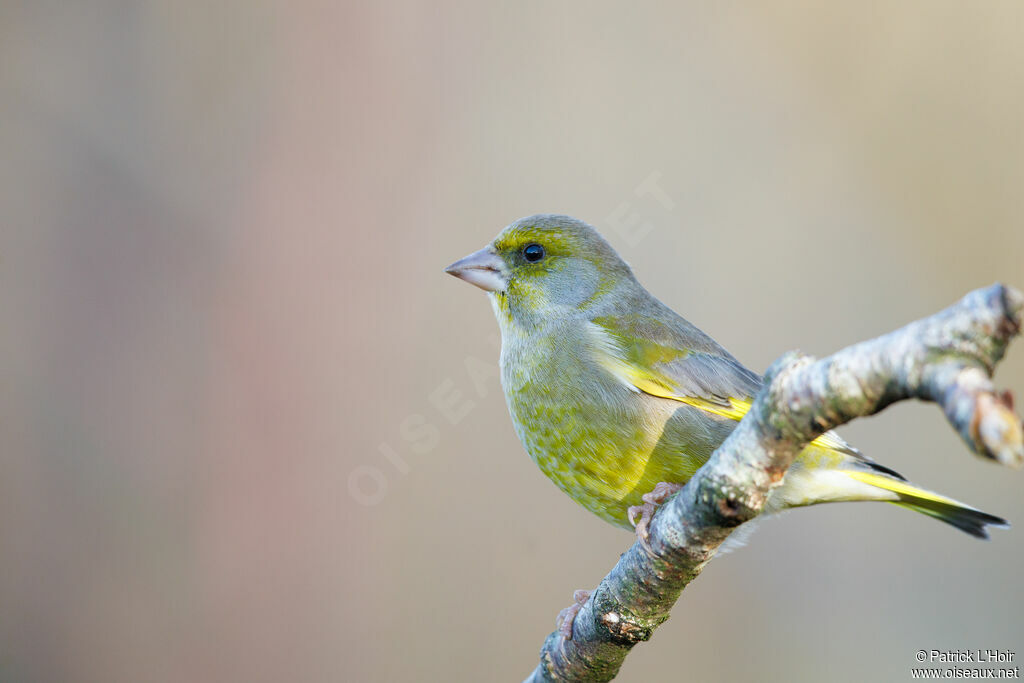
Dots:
pixel 544 265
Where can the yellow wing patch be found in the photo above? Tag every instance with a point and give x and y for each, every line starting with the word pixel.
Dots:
pixel 736 409
pixel 611 357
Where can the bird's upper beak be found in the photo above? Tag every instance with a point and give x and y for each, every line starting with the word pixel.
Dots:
pixel 483 268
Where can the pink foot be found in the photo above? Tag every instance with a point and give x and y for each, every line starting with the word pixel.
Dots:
pixel 568 615
pixel 661 493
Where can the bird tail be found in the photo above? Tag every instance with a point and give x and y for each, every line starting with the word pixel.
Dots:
pixel 857 478
pixel 964 517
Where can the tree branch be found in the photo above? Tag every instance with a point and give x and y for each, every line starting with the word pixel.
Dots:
pixel 946 358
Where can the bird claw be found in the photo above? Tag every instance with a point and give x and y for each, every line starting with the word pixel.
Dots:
pixel 567 616
pixel 661 493
pixel 645 511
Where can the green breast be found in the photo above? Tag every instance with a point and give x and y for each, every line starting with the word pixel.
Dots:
pixel 597 440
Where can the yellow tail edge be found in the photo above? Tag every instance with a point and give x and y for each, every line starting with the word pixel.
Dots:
pixel 964 517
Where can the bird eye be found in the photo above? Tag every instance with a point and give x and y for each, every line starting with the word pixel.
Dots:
pixel 533 252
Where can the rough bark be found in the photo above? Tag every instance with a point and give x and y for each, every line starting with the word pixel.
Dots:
pixel 946 358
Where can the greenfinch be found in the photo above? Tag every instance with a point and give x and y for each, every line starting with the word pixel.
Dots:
pixel 614 395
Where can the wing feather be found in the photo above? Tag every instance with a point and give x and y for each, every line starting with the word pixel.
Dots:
pixel 681 363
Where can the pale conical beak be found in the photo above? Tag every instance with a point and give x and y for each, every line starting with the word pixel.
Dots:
pixel 483 269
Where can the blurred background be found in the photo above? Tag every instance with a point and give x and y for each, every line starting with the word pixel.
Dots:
pixel 250 431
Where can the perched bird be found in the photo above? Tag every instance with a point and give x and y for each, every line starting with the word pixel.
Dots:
pixel 614 395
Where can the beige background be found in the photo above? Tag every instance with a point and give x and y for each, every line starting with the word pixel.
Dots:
pixel 223 234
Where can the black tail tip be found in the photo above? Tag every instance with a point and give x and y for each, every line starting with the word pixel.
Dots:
pixel 975 522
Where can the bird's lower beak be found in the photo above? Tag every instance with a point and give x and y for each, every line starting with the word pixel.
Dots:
pixel 483 269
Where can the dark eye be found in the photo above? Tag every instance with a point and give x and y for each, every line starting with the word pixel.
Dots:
pixel 533 252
